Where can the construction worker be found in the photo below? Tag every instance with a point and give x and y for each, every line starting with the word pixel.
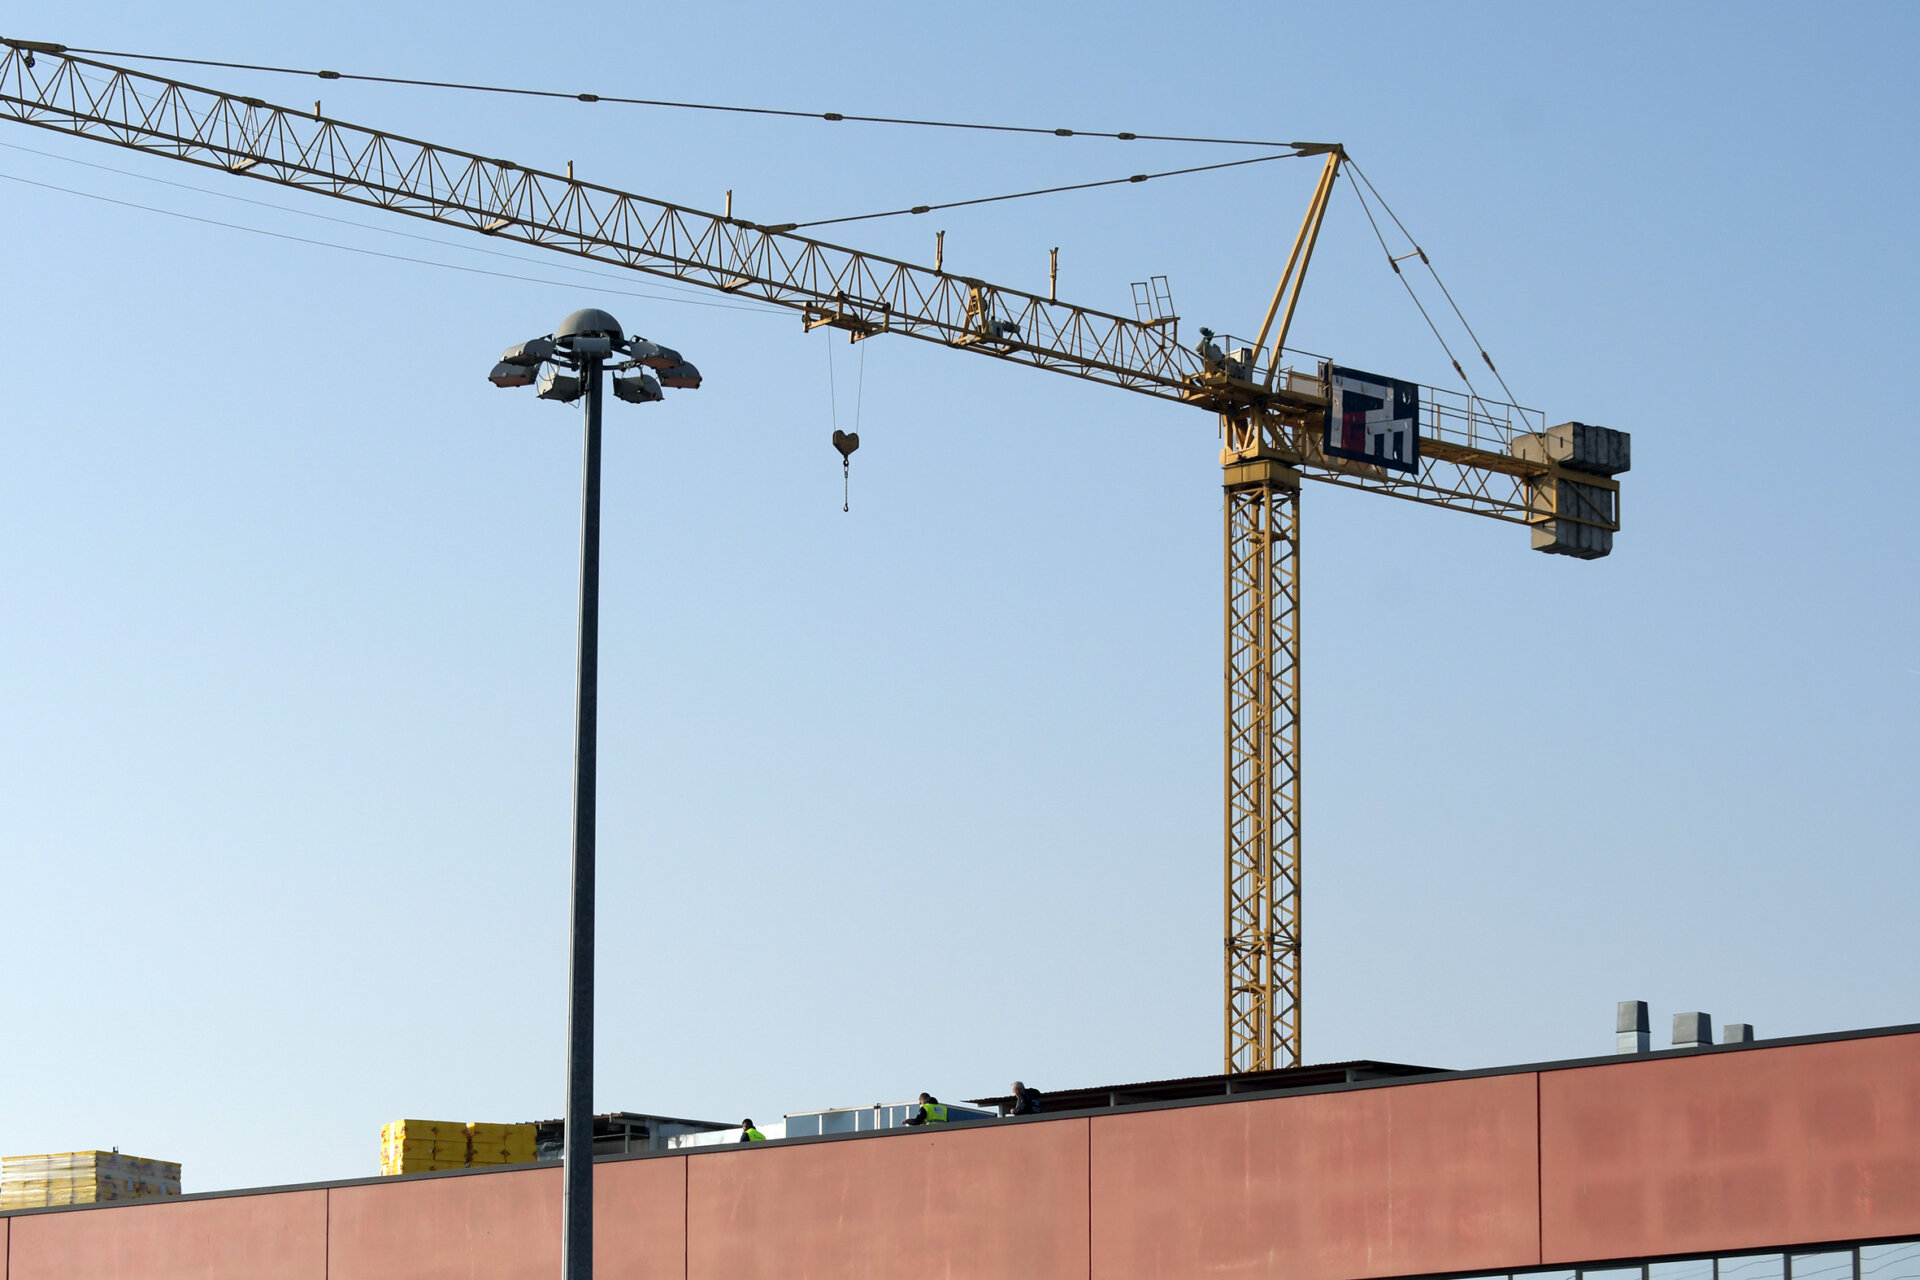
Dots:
pixel 750 1134
pixel 931 1112
pixel 1026 1101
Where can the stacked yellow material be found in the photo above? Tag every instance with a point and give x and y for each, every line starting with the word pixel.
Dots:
pixel 83 1177
pixel 422 1146
pixel 494 1144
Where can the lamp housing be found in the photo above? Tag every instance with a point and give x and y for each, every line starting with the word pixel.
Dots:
pixel 681 375
pixel 534 351
pixel 637 388
pixel 564 387
pixel 509 374
pixel 652 354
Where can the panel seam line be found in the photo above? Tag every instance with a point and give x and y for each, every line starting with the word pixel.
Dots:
pixel 1539 1178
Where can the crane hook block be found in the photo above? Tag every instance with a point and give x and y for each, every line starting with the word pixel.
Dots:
pixel 846 442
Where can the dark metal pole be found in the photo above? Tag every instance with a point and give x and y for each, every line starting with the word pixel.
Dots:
pixel 576 1194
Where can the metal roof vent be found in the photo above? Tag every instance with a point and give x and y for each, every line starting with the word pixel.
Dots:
pixel 1633 1033
pixel 1692 1030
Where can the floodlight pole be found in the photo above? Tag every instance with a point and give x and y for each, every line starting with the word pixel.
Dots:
pixel 576 1194
pixel 584 343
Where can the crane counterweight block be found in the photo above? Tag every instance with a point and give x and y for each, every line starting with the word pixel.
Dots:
pixel 1575 504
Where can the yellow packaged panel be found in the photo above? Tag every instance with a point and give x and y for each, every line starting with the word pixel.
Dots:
pixel 84 1177
pixel 396 1160
pixel 437 1130
pixel 425 1144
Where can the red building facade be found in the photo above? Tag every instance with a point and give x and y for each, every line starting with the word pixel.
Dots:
pixel 1779 1160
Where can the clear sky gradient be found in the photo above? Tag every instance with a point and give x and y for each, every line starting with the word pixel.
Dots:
pixel 927 795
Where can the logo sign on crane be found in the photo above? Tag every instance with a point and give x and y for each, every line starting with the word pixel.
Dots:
pixel 1373 419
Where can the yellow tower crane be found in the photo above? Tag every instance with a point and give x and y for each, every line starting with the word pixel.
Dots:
pixel 1280 424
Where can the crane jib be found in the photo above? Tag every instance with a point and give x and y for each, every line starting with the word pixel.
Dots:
pixel 868 292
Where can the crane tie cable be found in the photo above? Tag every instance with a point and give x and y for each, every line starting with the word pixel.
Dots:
pixel 1402 278
pixel 1041 191
pixel 834 116
pixel 1428 263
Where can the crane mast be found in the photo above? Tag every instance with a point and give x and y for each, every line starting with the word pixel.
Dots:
pixel 1475 455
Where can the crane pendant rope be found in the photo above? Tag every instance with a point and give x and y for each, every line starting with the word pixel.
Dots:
pixel 1419 252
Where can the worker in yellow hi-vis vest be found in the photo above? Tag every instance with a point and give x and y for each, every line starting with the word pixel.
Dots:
pixel 750 1134
pixel 931 1112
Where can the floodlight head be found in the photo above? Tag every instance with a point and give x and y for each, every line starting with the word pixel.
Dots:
pixel 681 375
pixel 532 352
pixel 637 388
pixel 509 374
pixel 564 387
pixel 592 346
pixel 652 354
pixel 589 322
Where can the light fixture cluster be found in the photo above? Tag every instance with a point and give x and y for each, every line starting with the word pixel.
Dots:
pixel 586 342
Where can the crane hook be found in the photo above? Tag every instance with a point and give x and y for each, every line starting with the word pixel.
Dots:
pixel 846 442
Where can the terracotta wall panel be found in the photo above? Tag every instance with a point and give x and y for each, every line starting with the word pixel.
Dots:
pixel 506 1226
pixel 243 1238
pixel 1377 1182
pixel 960 1204
pixel 1793 1145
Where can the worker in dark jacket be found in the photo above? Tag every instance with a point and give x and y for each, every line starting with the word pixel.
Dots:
pixel 930 1112
pixel 1026 1102
pixel 750 1134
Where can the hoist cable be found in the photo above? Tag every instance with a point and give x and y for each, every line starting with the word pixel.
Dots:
pixel 833 391
pixel 860 390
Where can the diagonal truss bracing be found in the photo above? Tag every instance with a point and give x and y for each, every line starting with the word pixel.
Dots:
pixel 1263 775
pixel 508 201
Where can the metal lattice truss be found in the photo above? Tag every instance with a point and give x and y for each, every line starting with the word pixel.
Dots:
pixel 862 293
pixel 1263 773
pixel 846 288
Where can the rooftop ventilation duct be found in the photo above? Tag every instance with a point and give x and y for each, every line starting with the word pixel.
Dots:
pixel 1692 1030
pixel 1633 1033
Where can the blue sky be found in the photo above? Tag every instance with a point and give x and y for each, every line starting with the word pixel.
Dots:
pixel 927 795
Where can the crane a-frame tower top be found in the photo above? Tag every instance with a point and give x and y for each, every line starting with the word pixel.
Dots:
pixel 1280 423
